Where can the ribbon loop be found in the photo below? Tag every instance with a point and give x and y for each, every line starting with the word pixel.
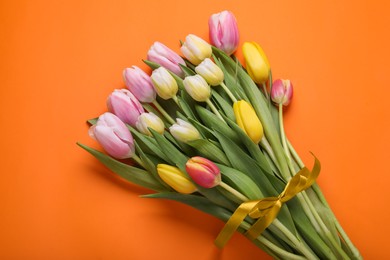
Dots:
pixel 266 210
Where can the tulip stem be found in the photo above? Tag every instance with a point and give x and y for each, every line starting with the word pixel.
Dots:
pixel 138 160
pixel 227 90
pixel 321 197
pixel 214 109
pixel 265 90
pixel 233 191
pixel 176 100
pixel 163 112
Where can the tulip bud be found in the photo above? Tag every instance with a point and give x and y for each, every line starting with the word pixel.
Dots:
pixel 149 120
pixel 248 121
pixel 210 72
pixel 282 92
pixel 175 178
pixel 257 63
pixel 139 83
pixel 161 54
pixel 184 131
pixel 223 31
pixel 195 49
pixel 164 83
pixel 197 88
pixel 113 135
pixel 125 106
pixel 203 172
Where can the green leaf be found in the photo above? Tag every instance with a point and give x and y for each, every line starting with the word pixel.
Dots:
pixel 225 106
pixel 150 166
pixel 242 162
pixel 92 121
pixel 129 173
pixel 198 202
pixel 241 182
pixel 148 144
pixel 307 230
pixel 187 71
pixel 213 122
pixel 174 156
pixel 253 148
pixel 209 150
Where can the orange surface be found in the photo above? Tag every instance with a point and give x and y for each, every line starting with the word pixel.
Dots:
pixel 59 61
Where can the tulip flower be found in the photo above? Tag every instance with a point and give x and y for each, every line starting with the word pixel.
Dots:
pixel 149 120
pixel 125 106
pixel 164 83
pixel 282 92
pixel 223 31
pixel 175 178
pixel 161 54
pixel 197 87
pixel 203 172
pixel 196 49
pixel 184 131
pixel 113 135
pixel 140 84
pixel 257 63
pixel 248 121
pixel 210 72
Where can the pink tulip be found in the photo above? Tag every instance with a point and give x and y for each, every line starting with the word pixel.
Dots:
pixel 113 135
pixel 223 31
pixel 162 55
pixel 203 172
pixel 140 84
pixel 125 106
pixel 282 92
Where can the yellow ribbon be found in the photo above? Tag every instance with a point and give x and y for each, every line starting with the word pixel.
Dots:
pixel 266 210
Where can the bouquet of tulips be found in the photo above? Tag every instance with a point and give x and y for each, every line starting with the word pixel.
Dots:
pixel 205 131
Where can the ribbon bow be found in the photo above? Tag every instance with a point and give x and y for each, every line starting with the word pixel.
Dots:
pixel 266 210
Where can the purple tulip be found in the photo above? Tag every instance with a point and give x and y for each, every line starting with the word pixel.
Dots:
pixel 113 135
pixel 140 84
pixel 223 31
pixel 162 55
pixel 125 106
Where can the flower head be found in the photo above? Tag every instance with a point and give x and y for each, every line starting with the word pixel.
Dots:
pixel 248 121
pixel 139 83
pixel 149 120
pixel 184 131
pixel 282 92
pixel 125 106
pixel 196 49
pixel 164 83
pixel 175 178
pixel 167 58
pixel 113 135
pixel 257 64
pixel 210 72
pixel 203 172
pixel 223 31
pixel 197 87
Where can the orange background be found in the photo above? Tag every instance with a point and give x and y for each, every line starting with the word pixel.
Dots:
pixel 60 60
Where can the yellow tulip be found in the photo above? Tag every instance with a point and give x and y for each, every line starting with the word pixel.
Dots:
pixel 248 121
pixel 175 178
pixel 257 64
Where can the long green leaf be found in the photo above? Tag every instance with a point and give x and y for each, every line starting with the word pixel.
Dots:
pixel 241 182
pixel 129 173
pixel 198 202
pixel 209 150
